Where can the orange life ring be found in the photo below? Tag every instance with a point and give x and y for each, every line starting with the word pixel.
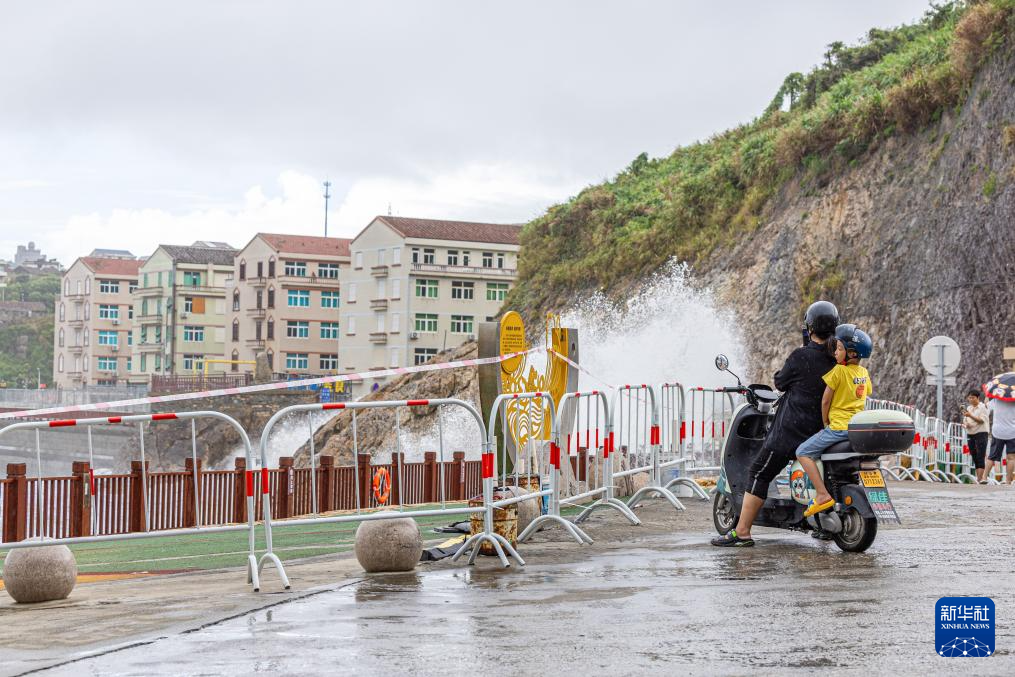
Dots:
pixel 382 485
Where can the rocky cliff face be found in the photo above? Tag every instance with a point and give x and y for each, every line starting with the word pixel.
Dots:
pixel 915 241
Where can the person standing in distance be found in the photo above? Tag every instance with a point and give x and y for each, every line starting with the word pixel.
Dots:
pixel 1003 438
pixel 797 418
pixel 976 421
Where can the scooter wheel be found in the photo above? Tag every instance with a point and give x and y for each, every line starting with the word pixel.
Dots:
pixel 724 513
pixel 858 532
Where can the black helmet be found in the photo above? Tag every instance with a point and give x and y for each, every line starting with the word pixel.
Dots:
pixel 821 319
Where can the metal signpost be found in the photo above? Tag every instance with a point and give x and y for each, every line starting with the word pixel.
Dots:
pixel 940 357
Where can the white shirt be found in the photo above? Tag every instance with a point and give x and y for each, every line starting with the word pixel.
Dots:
pixel 1004 419
pixel 981 412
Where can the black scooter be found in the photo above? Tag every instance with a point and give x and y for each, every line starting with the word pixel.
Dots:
pixel 852 472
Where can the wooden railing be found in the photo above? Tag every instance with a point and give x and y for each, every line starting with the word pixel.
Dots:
pixel 186 384
pixel 81 504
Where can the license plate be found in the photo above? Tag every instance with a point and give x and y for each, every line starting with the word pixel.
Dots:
pixel 872 478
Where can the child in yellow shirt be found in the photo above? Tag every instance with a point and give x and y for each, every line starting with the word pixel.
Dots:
pixel 847 387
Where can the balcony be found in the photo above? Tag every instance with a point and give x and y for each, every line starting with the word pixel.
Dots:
pixel 379 304
pixel 200 290
pixel 260 281
pixel 76 348
pixel 379 337
pixel 150 291
pixel 379 271
pixel 76 322
pixel 308 281
pixel 74 375
pixel 150 318
pixel 257 313
pixel 149 347
pixel 256 344
pixel 464 271
pixel 76 298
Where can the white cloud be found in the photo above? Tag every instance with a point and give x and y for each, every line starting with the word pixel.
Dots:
pixel 480 192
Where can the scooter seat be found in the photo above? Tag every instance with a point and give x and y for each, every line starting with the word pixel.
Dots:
pixel 837 448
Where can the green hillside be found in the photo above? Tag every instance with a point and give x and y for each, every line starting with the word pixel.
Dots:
pixel 705 195
pixel 26 346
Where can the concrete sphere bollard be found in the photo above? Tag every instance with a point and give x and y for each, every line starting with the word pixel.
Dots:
pixel 40 574
pixel 388 545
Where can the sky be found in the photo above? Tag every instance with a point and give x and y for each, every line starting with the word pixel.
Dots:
pixel 126 124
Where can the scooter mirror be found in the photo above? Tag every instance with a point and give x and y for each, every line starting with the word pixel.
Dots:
pixel 722 362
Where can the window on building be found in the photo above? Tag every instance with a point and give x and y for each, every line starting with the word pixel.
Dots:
pixel 191 278
pixel 193 334
pixel 66 287
pixel 271 267
pixel 396 320
pixel 243 270
pixel 396 289
pixel 496 291
pixel 271 330
pixel 329 362
pixel 105 363
pixel 236 330
pixel 426 323
pixel 61 338
pixel 59 364
pixel 358 260
pixel 260 268
pixel 380 289
pixel 295 268
pixel 131 287
pixel 63 312
pixel 158 361
pixel 500 260
pixel 88 311
pixel 144 335
pixel 258 327
pixel 130 364
pixel 297 329
pixel 452 257
pixel 130 312
pixel 188 304
pixel 488 259
pixel 298 361
pixel 329 299
pixel 144 278
pixel 109 286
pixel 462 290
pixel 379 322
pixel 393 360
pixel 461 324
pixel 415 255
pixel 235 359
pixel 423 355
pixel 193 362
pixel 158 334
pixel 299 298
pixel 236 299
pixel 108 338
pixel 130 338
pixel 88 338
pixel 328 270
pixel 108 312
pixel 429 255
pixel 144 363
pixel 351 296
pixel 465 258
pixel 426 289
pixel 88 285
pixel 380 257
pixel 158 277
pixel 350 326
pixel 396 256
pixel 329 330
pixel 259 299
pixel 271 297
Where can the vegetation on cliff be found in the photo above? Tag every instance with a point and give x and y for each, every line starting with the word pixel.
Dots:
pixel 705 195
pixel 26 345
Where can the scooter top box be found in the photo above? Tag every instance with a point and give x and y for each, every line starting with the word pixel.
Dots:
pixel 881 431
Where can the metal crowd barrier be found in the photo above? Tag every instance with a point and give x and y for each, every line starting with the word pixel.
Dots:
pixel 711 413
pixel 636 430
pixel 673 449
pixel 252 566
pixel 270 557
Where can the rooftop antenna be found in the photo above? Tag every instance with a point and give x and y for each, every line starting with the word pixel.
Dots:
pixel 327 196
pixel 389 209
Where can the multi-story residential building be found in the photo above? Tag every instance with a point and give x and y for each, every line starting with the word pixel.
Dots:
pixel 93 320
pixel 285 302
pixel 417 286
pixel 180 310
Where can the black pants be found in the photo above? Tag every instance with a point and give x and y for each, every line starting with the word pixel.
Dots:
pixel 767 465
pixel 978 449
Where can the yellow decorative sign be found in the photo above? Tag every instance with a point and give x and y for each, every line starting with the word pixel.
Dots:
pixel 512 340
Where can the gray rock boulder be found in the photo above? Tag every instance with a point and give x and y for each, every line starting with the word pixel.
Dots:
pixel 40 574
pixel 389 545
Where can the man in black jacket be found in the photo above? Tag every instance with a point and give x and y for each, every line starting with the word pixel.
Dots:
pixel 798 417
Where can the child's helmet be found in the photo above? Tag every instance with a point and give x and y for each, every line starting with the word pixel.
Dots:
pixel 855 340
pixel 821 318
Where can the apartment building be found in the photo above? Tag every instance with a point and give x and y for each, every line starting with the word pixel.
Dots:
pixel 417 286
pixel 93 320
pixel 285 302
pixel 180 311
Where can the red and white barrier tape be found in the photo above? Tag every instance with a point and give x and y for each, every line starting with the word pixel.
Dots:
pixel 261 387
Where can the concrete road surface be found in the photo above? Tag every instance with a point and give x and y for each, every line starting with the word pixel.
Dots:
pixel 655 599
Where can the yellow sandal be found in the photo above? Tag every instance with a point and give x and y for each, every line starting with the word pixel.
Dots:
pixel 814 508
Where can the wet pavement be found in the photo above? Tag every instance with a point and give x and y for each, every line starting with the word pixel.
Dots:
pixel 655 599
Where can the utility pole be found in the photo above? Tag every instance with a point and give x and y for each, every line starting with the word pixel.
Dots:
pixel 327 196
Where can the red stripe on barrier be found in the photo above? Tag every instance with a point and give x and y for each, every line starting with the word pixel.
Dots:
pixel 609 445
pixel 723 429
pixel 250 484
pixel 334 405
pixel 539 394
pixel 487 460
pixel 163 417
pixel 91 481
pixel 554 455
pixel 114 419
pixel 683 430
pixel 702 428
pixel 63 423
pixel 654 436
pixel 948 447
pixel 418 403
pixel 264 480
pixel 569 443
pixel 965 449
pixel 713 429
pixel 916 438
